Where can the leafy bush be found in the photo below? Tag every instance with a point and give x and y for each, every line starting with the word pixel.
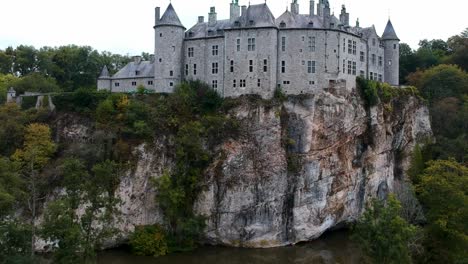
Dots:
pixel 149 241
pixel 84 101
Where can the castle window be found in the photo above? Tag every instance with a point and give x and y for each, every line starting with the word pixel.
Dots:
pixel 311 24
pixel 354 47
pixel 137 73
pixel 311 82
pixel 171 84
pixel 380 77
pixel 373 59
pixel 349 67
pixel 303 38
pixel 210 33
pixel 150 82
pixel 214 84
pixel 133 83
pixel 259 83
pixel 214 68
pixel 238 45
pixel 232 66
pixel 371 75
pixel 311 44
pixel 282 24
pixel 234 83
pixel 214 50
pixel 354 68
pixel 344 66
pixel 186 69
pixel 362 56
pixel 116 84
pixel 160 35
pixel 236 23
pixel 283 44
pixel 250 65
pixel 265 65
pixel 171 73
pixel 380 61
pixel 390 63
pixel 373 42
pixel 160 60
pixel 394 46
pixel 361 73
pixel 251 44
pixel 190 52
pixel 242 83
pixel 311 66
pixel 251 22
pixel 283 66
pixel 194 69
pixel 350 46
pixel 286 82
pixel 190 34
pixel 344 45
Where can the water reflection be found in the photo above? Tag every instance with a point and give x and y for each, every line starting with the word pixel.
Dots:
pixel 332 248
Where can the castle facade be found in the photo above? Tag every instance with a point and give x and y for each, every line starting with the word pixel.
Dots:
pixel 253 52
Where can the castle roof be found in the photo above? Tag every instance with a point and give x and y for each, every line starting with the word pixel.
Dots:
pixel 257 16
pixel 170 18
pixel 389 32
pixel 143 69
pixel 104 72
pixel 201 30
pixel 291 20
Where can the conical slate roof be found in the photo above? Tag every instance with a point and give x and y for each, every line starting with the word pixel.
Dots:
pixel 170 18
pixel 104 72
pixel 389 33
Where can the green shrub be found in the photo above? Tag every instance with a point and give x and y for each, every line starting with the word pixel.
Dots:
pixel 149 241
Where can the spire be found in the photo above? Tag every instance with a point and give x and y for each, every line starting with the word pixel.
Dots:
pixel 104 72
pixel 389 33
pixel 170 17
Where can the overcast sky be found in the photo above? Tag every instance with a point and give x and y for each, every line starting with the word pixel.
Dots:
pixel 126 27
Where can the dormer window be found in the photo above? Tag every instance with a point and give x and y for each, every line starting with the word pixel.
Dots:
pixel 251 22
pixel 210 32
pixel 311 24
pixel 137 73
pixel 190 34
pixel 332 25
pixel 282 24
pixel 219 31
pixel 237 23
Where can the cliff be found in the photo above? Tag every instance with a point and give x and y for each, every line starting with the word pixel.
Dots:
pixel 297 169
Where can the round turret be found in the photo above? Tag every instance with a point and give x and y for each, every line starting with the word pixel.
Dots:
pixel 169 37
pixel 392 55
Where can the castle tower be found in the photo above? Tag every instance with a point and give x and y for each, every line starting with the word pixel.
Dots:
pixel 344 16
pixel 104 80
pixel 169 38
pixel 391 55
pixel 11 95
pixel 234 11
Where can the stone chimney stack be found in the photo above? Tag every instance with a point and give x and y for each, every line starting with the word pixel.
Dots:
pixel 212 17
pixel 344 17
pixel 295 7
pixel 201 19
pixel 137 59
pixel 312 8
pixel 157 15
pixel 235 11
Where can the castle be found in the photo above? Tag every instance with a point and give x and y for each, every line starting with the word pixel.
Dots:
pixel 254 53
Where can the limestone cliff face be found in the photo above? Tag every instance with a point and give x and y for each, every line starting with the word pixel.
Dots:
pixel 297 169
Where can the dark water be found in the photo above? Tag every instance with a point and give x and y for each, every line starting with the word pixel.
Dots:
pixel 332 248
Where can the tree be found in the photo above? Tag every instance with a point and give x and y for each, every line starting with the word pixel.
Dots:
pixel 443 194
pixel 382 234
pixel 13 122
pixel 35 154
pixel 407 61
pixel 25 60
pixel 6 63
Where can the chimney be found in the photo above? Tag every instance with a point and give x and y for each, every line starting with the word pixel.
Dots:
pixel 201 19
pixel 157 15
pixel 312 8
pixel 212 16
pixel 235 11
pixel 244 10
pixel 344 17
pixel 137 59
pixel 295 7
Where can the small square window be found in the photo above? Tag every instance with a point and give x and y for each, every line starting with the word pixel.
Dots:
pixel 171 84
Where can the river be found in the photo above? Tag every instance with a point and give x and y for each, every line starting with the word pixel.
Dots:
pixel 331 248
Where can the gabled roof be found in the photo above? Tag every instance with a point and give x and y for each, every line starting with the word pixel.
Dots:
pixel 389 33
pixel 257 16
pixel 170 18
pixel 145 69
pixel 202 30
pixel 368 32
pixel 292 20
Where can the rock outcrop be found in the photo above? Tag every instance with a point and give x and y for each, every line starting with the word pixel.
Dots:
pixel 297 170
